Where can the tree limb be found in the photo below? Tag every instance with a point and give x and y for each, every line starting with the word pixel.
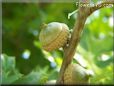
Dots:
pixel 69 51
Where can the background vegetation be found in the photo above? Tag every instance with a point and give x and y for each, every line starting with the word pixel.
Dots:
pixel 25 62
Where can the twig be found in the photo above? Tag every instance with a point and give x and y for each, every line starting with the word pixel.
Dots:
pixel 69 52
pixel 102 5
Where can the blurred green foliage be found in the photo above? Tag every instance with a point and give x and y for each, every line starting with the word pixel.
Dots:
pixel 30 64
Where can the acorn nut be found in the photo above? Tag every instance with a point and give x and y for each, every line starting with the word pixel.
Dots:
pixel 76 74
pixel 54 35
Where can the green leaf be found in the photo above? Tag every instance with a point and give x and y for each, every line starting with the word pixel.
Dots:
pixel 9 72
pixel 37 76
pixel 8 62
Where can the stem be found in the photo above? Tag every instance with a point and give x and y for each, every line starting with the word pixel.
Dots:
pixel 43 26
pixel 102 5
pixel 70 51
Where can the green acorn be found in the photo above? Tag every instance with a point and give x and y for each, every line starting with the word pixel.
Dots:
pixel 54 35
pixel 76 74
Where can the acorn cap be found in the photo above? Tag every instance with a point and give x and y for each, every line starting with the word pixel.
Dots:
pixel 54 36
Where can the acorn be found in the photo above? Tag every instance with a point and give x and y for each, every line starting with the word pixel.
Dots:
pixel 76 74
pixel 54 35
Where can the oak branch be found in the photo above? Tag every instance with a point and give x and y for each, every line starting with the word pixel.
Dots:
pixel 82 14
